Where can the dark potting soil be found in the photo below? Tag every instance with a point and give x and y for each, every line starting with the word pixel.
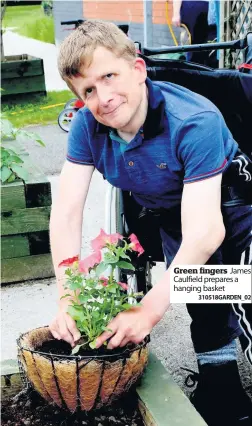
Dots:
pixel 29 409
pixel 60 347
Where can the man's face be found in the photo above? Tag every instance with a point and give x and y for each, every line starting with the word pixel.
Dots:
pixel 112 88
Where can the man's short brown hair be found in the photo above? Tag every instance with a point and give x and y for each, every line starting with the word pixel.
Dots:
pixel 76 51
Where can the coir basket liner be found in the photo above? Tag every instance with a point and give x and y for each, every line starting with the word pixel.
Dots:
pixel 79 382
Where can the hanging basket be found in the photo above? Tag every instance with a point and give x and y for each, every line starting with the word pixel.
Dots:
pixel 79 383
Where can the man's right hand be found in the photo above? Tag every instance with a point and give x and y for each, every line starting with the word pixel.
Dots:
pixel 176 20
pixel 63 326
pixel 65 235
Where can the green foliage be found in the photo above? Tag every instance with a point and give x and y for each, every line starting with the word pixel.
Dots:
pixel 32 109
pixel 11 165
pixel 47 3
pixel 30 21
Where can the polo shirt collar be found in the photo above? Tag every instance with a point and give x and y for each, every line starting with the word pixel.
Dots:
pixel 154 123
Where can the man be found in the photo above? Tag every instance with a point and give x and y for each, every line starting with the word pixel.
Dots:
pixel 129 128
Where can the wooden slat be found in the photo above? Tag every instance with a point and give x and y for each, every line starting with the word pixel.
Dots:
pixel 11 382
pixel 17 68
pixel 14 246
pixel 23 56
pixel 38 194
pixel 10 386
pixel 12 196
pixel 37 186
pixel 148 419
pixel 12 86
pixel 35 175
pixel 24 245
pixel 39 242
pixel 21 221
pixel 161 401
pixel 26 268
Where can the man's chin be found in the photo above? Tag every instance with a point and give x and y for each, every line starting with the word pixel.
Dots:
pixel 116 124
pixel 116 119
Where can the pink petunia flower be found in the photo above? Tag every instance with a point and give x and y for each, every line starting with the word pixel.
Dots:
pixel 100 242
pixel 123 285
pixel 135 245
pixel 104 281
pixel 69 261
pixel 89 262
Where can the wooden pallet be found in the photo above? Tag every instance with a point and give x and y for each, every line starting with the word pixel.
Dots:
pixel 22 74
pixel 25 213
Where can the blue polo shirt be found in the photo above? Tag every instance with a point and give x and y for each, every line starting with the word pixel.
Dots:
pixel 184 139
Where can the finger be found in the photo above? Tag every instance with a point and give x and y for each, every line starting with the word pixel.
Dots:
pixel 105 336
pixel 54 332
pixel 64 332
pixel 136 339
pixel 72 330
pixel 124 342
pixel 71 325
pixel 116 340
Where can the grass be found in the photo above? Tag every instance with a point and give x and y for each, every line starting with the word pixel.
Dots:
pixel 30 21
pixel 29 110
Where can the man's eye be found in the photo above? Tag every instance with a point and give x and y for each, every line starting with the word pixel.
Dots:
pixel 88 91
pixel 109 75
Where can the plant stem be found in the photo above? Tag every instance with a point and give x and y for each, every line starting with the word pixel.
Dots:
pixel 111 277
pixel 90 329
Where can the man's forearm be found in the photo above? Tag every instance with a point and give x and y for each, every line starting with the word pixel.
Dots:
pixel 65 239
pixel 157 300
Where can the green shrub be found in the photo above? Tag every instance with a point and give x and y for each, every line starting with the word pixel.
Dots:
pixel 30 21
pixel 11 164
pixel 41 29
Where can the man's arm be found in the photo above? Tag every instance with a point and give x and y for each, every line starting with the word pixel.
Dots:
pixel 202 233
pixel 65 237
pixel 176 20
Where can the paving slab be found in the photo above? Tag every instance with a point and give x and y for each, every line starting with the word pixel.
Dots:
pixel 50 158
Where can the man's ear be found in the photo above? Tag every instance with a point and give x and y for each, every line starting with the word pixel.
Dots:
pixel 140 68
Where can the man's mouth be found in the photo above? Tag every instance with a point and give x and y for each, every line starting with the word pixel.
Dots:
pixel 113 110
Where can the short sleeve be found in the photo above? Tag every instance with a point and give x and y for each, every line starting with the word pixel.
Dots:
pixel 205 146
pixel 79 150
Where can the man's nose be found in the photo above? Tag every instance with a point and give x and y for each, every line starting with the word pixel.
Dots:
pixel 105 96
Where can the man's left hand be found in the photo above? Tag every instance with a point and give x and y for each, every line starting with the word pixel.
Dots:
pixel 128 326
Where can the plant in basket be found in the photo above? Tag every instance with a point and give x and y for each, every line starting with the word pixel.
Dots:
pixel 95 300
pixel 86 377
